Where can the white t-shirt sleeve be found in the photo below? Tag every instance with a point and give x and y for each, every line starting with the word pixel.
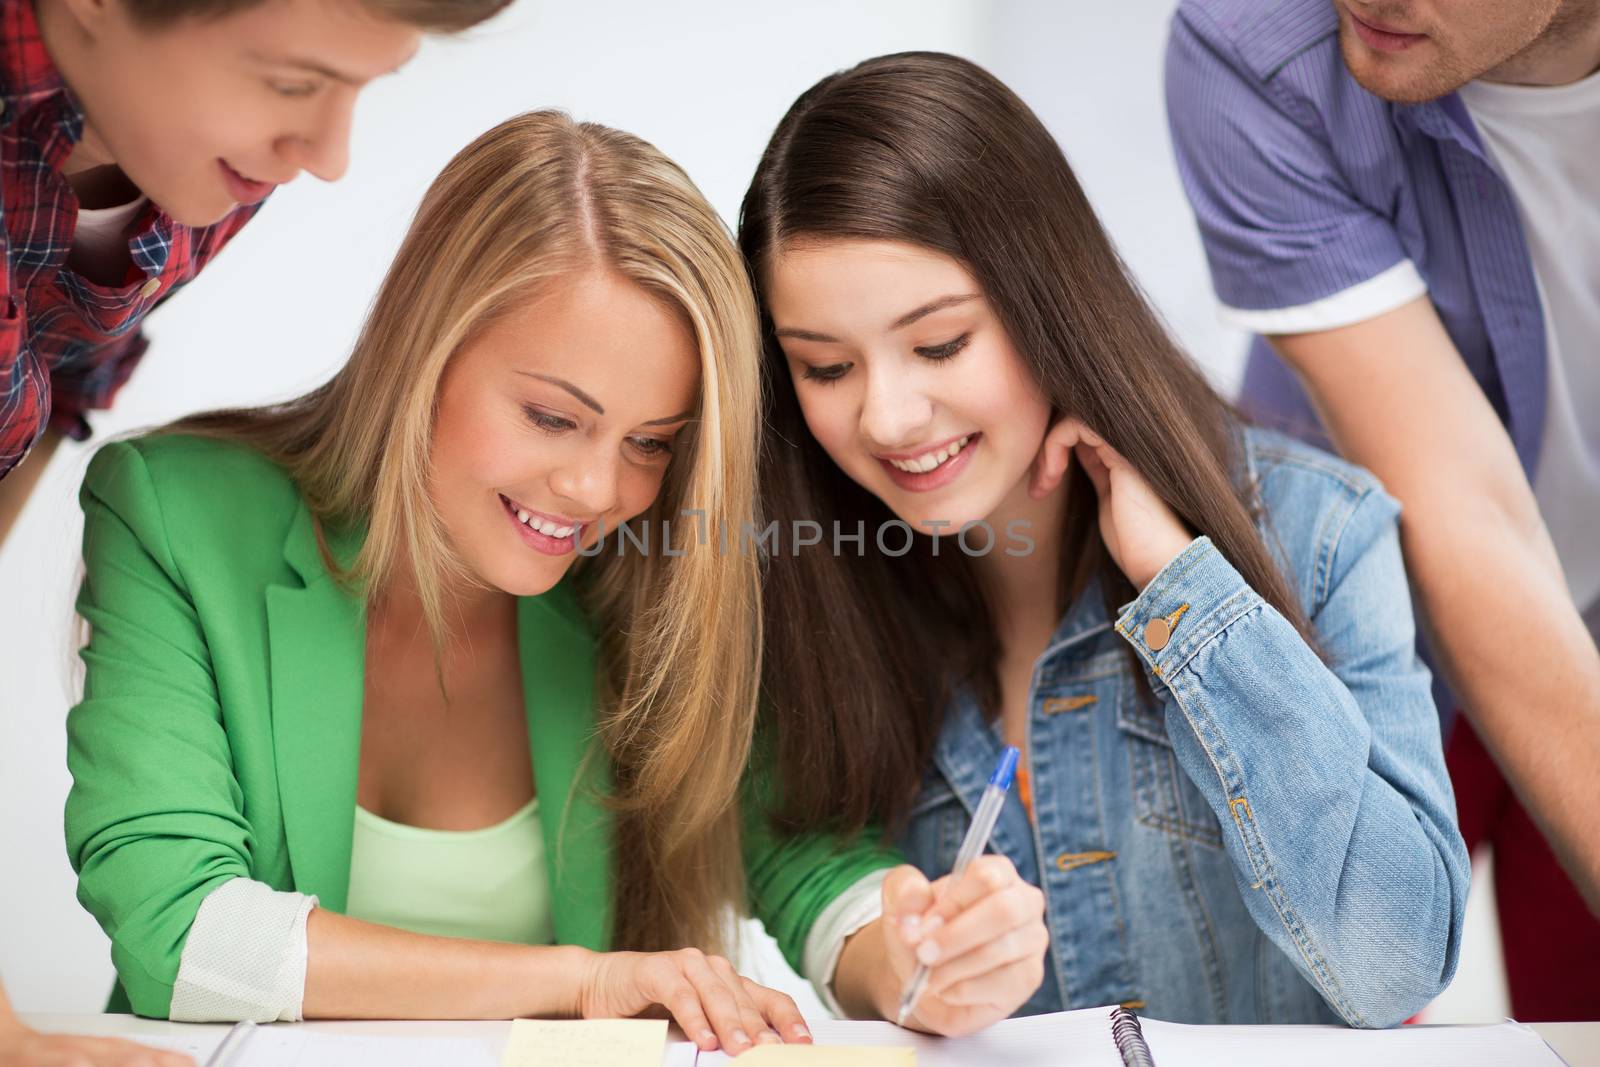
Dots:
pixel 849 912
pixel 1382 293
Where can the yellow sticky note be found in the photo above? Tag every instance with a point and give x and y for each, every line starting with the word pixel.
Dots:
pixel 586 1043
pixel 826 1056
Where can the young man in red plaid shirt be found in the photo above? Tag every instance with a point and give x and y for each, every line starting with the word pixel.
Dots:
pixel 136 138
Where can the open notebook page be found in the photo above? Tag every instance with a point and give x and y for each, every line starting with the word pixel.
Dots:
pixel 289 1046
pixel 1080 1038
pixel 1176 1045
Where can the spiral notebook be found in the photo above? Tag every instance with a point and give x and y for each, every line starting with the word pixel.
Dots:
pixel 1115 1037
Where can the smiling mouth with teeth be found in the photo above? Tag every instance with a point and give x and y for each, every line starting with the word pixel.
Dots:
pixel 538 523
pixel 931 460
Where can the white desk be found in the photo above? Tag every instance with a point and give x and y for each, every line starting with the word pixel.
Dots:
pixel 1578 1043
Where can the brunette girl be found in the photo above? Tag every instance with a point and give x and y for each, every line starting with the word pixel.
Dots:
pixel 1200 633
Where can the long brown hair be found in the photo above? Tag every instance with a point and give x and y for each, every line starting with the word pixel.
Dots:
pixel 536 198
pixel 433 16
pixel 864 652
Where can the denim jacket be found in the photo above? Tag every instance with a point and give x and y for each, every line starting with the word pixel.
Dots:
pixel 1266 838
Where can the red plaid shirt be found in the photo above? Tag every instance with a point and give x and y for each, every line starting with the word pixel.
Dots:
pixel 66 343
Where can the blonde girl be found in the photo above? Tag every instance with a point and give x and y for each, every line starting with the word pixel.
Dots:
pixel 371 727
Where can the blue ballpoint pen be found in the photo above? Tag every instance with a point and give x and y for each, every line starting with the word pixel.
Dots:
pixel 983 820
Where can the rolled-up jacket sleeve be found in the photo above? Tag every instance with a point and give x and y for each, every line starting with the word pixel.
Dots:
pixel 245 957
pixel 1328 778
pixel 155 823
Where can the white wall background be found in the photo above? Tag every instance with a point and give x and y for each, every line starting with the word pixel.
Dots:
pixel 705 82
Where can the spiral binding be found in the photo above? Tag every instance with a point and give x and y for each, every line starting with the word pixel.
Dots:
pixel 1125 1031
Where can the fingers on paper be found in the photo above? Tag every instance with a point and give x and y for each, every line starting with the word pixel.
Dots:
pixel 678 995
pixel 719 1008
pixel 781 1012
pixel 721 1002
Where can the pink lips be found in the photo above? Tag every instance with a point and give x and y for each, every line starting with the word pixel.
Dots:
pixel 1383 39
pixel 940 476
pixel 244 190
pixel 542 542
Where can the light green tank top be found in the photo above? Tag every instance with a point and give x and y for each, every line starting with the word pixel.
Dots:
pixel 489 884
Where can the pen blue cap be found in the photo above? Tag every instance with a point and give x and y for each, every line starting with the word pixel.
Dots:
pixel 1006 768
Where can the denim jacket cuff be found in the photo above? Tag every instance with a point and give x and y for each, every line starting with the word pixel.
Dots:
pixel 1192 599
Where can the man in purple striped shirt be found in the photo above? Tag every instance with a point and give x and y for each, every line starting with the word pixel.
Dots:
pixel 1398 198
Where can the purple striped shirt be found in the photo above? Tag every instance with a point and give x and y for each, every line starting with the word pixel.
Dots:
pixel 1304 184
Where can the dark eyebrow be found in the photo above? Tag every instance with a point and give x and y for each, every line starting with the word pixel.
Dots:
pixel 325 71
pixel 930 307
pixel 582 396
pixel 594 404
pixel 685 417
pixel 805 335
pixel 898 324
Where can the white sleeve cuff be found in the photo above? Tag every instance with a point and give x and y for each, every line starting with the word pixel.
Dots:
pixel 1395 287
pixel 857 906
pixel 245 957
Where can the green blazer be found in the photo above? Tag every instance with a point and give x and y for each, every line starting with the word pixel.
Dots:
pixel 219 732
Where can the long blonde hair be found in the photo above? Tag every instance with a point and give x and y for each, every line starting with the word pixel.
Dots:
pixel 535 198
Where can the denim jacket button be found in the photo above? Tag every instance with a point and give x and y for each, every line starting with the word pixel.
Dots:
pixel 1157 632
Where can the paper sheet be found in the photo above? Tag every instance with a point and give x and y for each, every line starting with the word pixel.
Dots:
pixel 680 1054
pixel 288 1046
pixel 1176 1045
pixel 827 1056
pixel 1081 1038
pixel 586 1043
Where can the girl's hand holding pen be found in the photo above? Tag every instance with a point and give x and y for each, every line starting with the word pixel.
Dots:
pixel 982 937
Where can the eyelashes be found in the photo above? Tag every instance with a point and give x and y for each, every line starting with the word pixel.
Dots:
pixel 555 426
pixel 940 353
pixel 831 373
pixel 932 353
pixel 652 446
pixel 551 424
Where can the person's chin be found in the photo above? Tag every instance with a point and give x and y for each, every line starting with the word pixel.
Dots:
pixel 1405 78
pixel 533 580
pixel 946 522
pixel 522 572
pixel 196 212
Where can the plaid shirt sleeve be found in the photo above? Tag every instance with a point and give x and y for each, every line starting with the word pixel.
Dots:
pixel 24 380
pixel 90 383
